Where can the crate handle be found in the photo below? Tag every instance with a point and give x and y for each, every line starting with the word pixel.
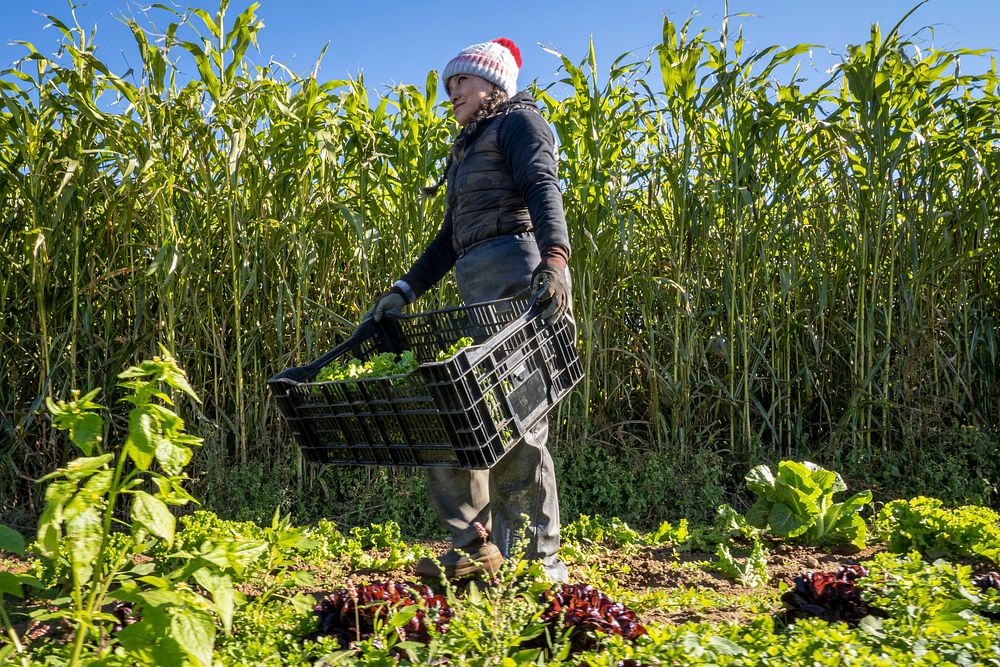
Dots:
pixel 308 372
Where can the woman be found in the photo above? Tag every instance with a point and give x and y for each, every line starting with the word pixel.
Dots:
pixel 504 232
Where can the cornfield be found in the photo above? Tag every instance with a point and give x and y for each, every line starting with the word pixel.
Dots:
pixel 761 271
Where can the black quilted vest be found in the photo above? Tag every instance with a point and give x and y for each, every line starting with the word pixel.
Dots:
pixel 482 197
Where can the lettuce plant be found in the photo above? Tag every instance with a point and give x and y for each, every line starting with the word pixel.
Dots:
pixel 926 525
pixel 798 503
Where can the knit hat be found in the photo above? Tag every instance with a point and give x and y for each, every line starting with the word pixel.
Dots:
pixel 497 61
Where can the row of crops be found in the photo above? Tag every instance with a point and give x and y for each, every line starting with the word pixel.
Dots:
pixel 111 579
pixel 762 270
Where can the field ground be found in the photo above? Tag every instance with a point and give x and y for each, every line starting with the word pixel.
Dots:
pixel 676 594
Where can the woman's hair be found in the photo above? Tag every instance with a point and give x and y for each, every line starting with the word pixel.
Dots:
pixel 492 105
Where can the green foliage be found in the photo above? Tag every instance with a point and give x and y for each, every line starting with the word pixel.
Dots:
pixel 452 350
pixel 968 475
pixel 11 540
pixel 381 365
pixel 637 486
pixel 935 613
pixel 390 551
pixel 728 523
pixel 614 532
pixel 926 525
pixel 798 503
pixel 751 573
pixel 934 598
pixel 764 270
pixel 78 551
pixel 494 623
pixel 587 534
pixel 270 632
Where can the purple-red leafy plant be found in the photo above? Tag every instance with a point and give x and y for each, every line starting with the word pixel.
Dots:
pixel 587 610
pixel 831 596
pixel 989 582
pixel 354 613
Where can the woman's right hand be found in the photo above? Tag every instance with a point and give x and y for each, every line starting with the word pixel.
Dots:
pixel 389 302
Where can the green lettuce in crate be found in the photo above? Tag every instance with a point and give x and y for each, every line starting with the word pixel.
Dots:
pixel 379 365
pixel 383 365
pixel 452 350
pixel 798 503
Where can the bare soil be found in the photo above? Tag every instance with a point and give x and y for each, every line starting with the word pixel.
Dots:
pixel 646 570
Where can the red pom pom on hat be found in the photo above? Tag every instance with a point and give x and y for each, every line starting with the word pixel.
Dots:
pixel 512 47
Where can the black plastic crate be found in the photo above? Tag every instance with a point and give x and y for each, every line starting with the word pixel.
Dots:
pixel 465 412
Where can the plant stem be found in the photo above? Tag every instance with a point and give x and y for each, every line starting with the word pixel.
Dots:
pixel 13 636
pixel 93 598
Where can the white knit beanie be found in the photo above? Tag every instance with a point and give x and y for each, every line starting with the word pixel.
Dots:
pixel 497 61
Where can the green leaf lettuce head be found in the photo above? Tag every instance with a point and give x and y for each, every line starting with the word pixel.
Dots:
pixel 926 525
pixel 385 364
pixel 452 350
pixel 798 503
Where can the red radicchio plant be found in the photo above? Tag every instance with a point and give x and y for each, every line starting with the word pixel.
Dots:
pixel 829 596
pixel 985 582
pixel 352 613
pixel 587 609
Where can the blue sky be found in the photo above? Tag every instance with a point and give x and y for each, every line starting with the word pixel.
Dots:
pixel 395 41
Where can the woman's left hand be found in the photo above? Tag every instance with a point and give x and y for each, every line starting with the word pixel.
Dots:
pixel 551 291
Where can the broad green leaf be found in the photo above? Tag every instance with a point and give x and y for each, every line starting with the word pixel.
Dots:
pixel 84 466
pixel 760 481
pixel 801 502
pixel 142 436
pixel 177 379
pixel 99 483
pixel 302 578
pixel 143 569
pixel 403 616
pixel 158 582
pixel 171 457
pixel 85 534
pixel 11 540
pixel 194 630
pixel 857 501
pixel 303 603
pixel 152 514
pixel 170 491
pixel 86 432
pixel 10 584
pixel 797 476
pixel 829 481
pixel 757 515
pixel 947 622
pixel 221 588
pixel 787 523
pixel 234 555
pixel 726 646
pixel 57 494
pixel 853 530
pixel 157 597
pixel 144 634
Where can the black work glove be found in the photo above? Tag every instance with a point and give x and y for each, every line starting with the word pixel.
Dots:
pixel 550 291
pixel 391 301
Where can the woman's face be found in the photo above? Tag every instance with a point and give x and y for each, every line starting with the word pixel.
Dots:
pixel 467 92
